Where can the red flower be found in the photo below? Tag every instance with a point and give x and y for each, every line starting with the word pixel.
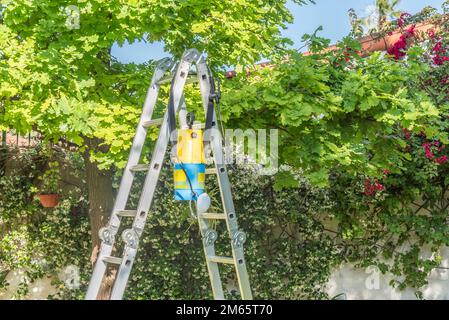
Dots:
pixel 402 18
pixel 378 186
pixel 411 31
pixel 386 171
pixel 398 50
pixel 428 153
pixel 407 133
pixel 372 187
pixel 440 54
pixel 442 160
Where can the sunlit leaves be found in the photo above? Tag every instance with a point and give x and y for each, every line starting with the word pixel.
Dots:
pixel 333 117
pixel 66 84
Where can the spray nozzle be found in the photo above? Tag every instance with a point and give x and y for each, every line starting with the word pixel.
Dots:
pixel 190 119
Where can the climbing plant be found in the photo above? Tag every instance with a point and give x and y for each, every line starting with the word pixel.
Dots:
pixel 336 110
pixel 373 129
pixel 35 241
pixel 289 254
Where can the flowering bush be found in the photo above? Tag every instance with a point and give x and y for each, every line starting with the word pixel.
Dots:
pixel 379 144
pixel 398 50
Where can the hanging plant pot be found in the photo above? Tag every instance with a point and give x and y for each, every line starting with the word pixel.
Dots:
pixel 49 200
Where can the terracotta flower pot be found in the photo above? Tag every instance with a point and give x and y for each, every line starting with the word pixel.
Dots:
pixel 49 200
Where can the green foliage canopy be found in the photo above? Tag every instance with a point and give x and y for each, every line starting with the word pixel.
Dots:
pixel 62 80
pixel 337 109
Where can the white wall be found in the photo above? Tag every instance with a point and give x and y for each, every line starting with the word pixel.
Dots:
pixel 354 283
pixel 38 290
pixel 370 284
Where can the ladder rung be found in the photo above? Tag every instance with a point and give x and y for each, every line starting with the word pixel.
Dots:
pixel 213 216
pixel 127 213
pixel 198 126
pixel 192 77
pixel 218 259
pixel 113 260
pixel 154 122
pixel 140 167
pixel 211 171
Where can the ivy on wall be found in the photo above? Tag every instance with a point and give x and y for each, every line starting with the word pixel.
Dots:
pixel 296 236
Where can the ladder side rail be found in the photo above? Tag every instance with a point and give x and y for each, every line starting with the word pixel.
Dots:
pixel 237 237
pixel 127 180
pixel 207 233
pixel 149 187
pixel 138 143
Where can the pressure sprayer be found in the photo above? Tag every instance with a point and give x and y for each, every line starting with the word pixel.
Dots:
pixel 190 170
pixel 189 173
pixel 189 167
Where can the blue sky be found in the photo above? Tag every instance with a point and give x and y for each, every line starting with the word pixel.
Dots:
pixel 331 14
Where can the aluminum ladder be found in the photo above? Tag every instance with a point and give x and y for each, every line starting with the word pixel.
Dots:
pixel 179 74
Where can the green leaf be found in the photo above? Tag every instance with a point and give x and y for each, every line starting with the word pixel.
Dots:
pixel 284 179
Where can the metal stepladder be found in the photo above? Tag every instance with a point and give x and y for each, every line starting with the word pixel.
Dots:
pixel 178 78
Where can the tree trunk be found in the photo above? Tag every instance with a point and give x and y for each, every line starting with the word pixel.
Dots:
pixel 3 153
pixel 101 201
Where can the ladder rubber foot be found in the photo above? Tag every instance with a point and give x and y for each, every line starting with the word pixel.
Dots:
pixel 113 260
pixel 127 213
pixel 153 123
pixel 140 167
pixel 219 259
pixel 213 216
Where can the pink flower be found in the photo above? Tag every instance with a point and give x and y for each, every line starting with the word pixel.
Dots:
pixel 378 186
pixel 428 153
pixel 372 187
pixel 440 54
pixel 442 160
pixel 411 31
pixel 407 133
pixel 398 50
